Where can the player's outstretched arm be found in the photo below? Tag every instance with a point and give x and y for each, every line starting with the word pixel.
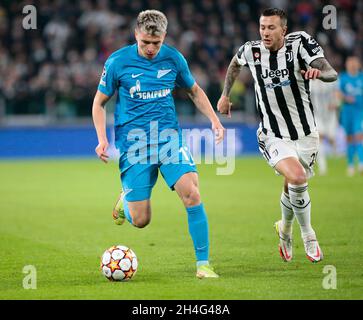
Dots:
pixel 320 69
pixel 201 101
pixel 99 120
pixel 224 105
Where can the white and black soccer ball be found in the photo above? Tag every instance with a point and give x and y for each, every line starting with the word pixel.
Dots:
pixel 119 263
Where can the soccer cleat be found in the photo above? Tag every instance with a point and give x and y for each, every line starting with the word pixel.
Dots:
pixel 312 249
pixel 118 213
pixel 285 245
pixel 206 271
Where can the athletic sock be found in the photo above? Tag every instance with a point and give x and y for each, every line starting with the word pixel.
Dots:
pixel 198 229
pixel 300 202
pixel 287 213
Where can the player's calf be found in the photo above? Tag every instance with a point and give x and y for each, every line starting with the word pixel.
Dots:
pixel 140 211
pixel 301 205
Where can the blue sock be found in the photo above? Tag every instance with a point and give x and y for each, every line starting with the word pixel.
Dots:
pixel 359 148
pixel 126 210
pixel 350 153
pixel 198 229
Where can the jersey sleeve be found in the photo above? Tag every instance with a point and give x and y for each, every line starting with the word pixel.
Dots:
pixel 108 81
pixel 241 55
pixel 184 78
pixel 309 48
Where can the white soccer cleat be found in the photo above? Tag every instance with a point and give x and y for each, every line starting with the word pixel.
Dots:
pixel 285 245
pixel 312 249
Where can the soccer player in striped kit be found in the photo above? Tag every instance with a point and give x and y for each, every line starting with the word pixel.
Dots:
pixel 282 65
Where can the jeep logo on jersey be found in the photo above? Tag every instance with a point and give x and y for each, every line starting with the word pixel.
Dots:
pixel 274 73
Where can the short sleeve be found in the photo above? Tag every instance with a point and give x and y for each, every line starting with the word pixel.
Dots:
pixel 108 81
pixel 184 78
pixel 309 48
pixel 241 56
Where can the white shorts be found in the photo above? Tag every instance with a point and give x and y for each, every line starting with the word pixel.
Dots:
pixel 275 149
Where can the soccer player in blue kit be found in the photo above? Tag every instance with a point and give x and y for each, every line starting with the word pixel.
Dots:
pixel 351 115
pixel 144 75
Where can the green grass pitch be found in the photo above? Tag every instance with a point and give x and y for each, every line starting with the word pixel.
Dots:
pixel 56 216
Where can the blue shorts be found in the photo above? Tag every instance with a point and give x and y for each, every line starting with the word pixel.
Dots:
pixel 351 120
pixel 139 173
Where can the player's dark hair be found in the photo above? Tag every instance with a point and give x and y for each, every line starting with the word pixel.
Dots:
pixel 275 12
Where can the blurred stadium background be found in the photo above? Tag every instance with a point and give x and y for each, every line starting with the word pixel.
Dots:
pixel 49 75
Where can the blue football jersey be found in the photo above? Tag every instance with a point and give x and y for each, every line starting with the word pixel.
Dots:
pixel 144 88
pixel 352 86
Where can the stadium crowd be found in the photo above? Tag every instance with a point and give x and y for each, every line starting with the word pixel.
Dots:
pixel 55 69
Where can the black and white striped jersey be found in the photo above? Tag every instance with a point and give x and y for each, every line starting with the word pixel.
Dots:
pixel 282 94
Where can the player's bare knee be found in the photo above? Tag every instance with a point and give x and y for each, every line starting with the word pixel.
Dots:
pixel 298 178
pixel 191 198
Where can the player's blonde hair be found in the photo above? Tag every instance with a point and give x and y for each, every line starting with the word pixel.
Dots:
pixel 152 22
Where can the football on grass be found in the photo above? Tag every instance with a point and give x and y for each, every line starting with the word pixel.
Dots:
pixel 119 263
